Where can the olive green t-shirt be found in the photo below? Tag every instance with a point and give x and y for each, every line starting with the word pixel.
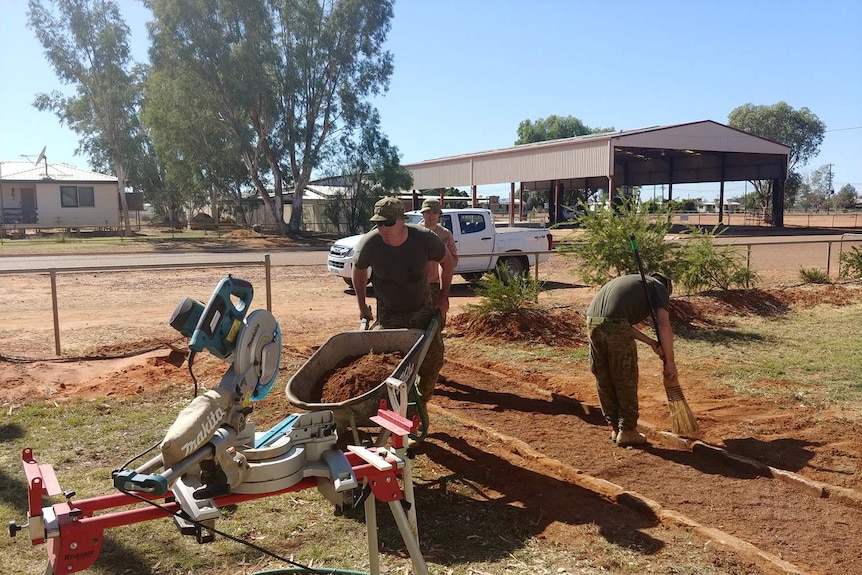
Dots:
pixel 624 298
pixel 400 273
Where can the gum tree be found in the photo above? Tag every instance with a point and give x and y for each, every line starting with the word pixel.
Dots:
pixel 87 44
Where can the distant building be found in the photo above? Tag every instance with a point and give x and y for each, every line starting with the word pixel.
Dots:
pixel 43 195
pixel 711 207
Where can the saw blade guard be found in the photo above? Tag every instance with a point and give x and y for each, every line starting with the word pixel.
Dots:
pixel 257 354
pixel 269 362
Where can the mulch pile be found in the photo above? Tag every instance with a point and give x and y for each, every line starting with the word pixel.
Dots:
pixel 556 327
pixel 354 376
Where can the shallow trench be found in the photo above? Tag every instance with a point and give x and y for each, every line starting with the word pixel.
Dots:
pixel 816 535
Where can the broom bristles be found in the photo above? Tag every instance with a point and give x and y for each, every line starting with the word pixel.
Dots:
pixel 682 419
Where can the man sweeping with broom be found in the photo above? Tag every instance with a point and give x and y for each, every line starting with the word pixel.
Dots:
pixel 618 306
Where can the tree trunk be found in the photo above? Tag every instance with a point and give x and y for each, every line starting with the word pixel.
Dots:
pixel 124 205
pixel 295 224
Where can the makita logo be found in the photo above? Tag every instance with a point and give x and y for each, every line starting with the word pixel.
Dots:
pixel 212 422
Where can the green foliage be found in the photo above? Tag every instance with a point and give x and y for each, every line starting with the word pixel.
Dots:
pixel 814 276
pixel 502 292
pixel 800 129
pixel 87 44
pixel 604 249
pixel 850 263
pixel 701 265
pixel 845 198
pixel 292 79
pixel 368 167
pixel 554 128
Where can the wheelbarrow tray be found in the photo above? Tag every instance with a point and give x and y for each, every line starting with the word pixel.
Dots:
pixel 356 411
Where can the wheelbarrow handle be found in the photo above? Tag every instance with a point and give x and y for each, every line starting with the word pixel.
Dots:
pixel 364 324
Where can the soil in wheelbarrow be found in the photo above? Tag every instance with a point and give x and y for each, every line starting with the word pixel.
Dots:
pixel 355 376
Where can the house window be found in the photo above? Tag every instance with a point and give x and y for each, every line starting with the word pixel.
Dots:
pixel 77 197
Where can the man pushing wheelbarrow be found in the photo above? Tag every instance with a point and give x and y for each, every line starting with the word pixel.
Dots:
pixel 399 254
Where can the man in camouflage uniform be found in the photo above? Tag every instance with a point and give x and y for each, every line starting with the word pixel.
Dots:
pixel 611 316
pixel 399 253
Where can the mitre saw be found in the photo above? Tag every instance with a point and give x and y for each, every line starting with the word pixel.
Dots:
pixel 252 347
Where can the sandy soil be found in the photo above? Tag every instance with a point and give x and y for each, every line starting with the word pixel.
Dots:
pixel 530 429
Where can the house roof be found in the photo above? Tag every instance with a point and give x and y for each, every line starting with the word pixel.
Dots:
pixel 24 172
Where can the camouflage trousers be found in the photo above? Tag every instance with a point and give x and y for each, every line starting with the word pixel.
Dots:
pixel 419 319
pixel 614 362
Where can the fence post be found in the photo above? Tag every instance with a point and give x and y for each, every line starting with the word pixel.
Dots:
pixel 56 313
pixel 267 267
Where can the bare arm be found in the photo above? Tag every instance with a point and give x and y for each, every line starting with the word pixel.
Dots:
pixel 665 333
pixel 447 267
pixel 453 249
pixel 360 285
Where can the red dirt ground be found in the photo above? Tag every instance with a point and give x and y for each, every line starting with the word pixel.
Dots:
pixel 528 432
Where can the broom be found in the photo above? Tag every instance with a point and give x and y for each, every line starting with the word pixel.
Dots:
pixel 682 419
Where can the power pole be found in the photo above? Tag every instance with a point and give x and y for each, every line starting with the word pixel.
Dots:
pixel 829 190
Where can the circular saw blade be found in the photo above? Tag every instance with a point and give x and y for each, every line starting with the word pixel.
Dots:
pixel 258 351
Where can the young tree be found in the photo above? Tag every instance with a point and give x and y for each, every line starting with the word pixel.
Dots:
pixel 87 44
pixel 801 130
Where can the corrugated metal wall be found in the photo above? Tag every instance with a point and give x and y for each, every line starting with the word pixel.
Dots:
pixel 588 159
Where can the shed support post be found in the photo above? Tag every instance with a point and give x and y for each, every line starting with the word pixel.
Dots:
pixel 778 202
pixel 512 204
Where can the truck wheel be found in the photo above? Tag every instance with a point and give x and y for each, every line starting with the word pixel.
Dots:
pixel 514 266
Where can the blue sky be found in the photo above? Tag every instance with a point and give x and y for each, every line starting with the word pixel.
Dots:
pixel 467 72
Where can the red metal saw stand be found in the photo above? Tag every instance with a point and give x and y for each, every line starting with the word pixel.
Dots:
pixel 73 531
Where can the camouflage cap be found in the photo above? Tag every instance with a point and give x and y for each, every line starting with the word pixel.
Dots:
pixel 432 204
pixel 388 208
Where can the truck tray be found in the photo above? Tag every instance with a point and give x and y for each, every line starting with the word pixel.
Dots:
pixel 356 411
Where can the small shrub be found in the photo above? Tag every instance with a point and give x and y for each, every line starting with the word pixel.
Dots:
pixel 850 264
pixel 604 250
pixel 701 265
pixel 502 292
pixel 813 276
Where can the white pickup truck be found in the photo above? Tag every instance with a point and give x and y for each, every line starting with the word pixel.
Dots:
pixel 475 233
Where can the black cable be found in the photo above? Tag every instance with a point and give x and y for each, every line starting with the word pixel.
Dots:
pixel 192 354
pixel 184 516
pixel 138 456
pixel 132 353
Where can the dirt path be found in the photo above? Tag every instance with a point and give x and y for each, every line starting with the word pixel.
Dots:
pixel 711 490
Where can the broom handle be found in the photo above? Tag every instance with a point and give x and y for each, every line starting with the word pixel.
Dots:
pixel 646 290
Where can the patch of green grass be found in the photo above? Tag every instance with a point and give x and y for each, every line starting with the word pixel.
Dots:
pixel 814 351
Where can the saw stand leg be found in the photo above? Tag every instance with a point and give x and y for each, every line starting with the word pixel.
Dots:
pixel 412 542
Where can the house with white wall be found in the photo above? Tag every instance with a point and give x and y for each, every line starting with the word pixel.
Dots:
pixel 45 196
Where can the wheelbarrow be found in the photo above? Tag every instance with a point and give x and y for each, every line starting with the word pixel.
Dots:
pixel 356 412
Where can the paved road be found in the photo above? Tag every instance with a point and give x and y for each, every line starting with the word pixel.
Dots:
pixel 152 259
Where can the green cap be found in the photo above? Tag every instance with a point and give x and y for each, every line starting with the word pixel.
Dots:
pixel 431 204
pixel 388 209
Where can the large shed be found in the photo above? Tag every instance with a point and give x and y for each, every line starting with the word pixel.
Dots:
pixel 695 152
